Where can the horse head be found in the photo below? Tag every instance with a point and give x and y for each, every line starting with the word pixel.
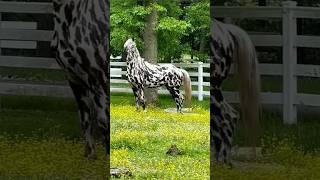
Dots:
pixel 130 50
pixel 129 44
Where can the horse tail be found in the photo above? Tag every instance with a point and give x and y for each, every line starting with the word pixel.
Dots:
pixel 187 87
pixel 249 84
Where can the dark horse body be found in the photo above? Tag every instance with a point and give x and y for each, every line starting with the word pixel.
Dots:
pixel 80 43
pixel 142 74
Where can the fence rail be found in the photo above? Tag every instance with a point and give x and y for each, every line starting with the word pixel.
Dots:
pixel 289 41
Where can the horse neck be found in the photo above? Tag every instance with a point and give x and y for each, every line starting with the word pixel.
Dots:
pixel 134 58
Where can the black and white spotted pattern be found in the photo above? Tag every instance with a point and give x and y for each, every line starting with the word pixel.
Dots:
pixel 81 42
pixel 142 74
pixel 231 44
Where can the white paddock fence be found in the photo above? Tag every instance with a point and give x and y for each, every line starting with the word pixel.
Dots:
pixel 26 35
pixel 198 74
pixel 289 41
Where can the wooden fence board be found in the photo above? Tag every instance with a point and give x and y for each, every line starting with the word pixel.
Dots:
pixel 25 35
pixel 18 44
pixel 308 41
pixel 28 62
pixel 308 70
pixel 25 7
pixel 18 25
pixel 35 89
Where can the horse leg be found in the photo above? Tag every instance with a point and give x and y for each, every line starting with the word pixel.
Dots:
pixel 85 112
pixel 142 98
pixel 221 128
pixel 136 96
pixel 231 117
pixel 219 141
pixel 102 112
pixel 178 99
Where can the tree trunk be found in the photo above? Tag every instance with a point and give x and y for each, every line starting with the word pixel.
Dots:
pixel 202 42
pixel 150 51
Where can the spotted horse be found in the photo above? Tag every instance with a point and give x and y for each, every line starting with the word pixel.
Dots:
pixel 80 44
pixel 142 74
pixel 230 44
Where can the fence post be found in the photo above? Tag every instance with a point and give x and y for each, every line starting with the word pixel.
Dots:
pixel 289 34
pixel 200 81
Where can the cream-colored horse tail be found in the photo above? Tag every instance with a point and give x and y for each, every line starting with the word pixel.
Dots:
pixel 187 87
pixel 249 82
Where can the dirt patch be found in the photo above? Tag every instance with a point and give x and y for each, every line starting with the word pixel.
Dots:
pixel 186 111
pixel 174 151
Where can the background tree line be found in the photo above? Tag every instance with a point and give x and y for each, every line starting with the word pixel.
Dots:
pixel 165 30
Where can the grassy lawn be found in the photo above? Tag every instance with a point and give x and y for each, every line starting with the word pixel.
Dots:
pixel 282 159
pixel 49 158
pixel 139 141
pixel 40 139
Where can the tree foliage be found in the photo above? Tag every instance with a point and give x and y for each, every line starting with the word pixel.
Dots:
pixel 198 15
pixel 174 27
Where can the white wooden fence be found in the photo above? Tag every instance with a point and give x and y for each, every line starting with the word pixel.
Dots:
pixel 25 35
pixel 199 73
pixel 290 41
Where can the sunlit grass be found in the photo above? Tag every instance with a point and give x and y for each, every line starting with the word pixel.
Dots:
pixel 40 138
pixel 50 146
pixel 139 142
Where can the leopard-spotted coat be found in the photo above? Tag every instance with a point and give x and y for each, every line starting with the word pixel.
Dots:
pixel 142 74
pixel 80 43
pixel 231 44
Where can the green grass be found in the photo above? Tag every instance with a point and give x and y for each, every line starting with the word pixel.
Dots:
pixel 40 138
pixel 165 101
pixel 40 116
pixel 34 74
pixel 281 159
pixel 304 134
pixel 51 158
pixel 139 141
